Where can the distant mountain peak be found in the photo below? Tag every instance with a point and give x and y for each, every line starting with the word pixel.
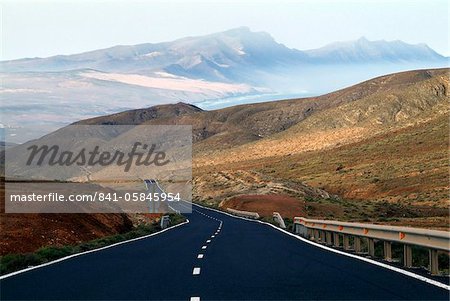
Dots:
pixel 231 56
pixel 245 33
pixel 241 29
pixel 365 50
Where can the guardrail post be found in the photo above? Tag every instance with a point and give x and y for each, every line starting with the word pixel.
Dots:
pixel 279 219
pixel 357 243
pixel 387 251
pixel 433 264
pixel 301 230
pixel 407 256
pixel 316 235
pixel 165 221
pixel 309 233
pixel 346 242
pixel 371 247
pixel 328 238
pixel 336 241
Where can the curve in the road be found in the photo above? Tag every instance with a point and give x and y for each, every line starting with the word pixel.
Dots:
pixel 243 260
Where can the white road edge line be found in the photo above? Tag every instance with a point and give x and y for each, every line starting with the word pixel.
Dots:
pixel 196 271
pixel 90 251
pixel 368 260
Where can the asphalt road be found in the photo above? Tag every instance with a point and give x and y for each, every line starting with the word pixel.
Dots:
pixel 242 260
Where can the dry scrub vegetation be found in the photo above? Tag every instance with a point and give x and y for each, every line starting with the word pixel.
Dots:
pixel 379 158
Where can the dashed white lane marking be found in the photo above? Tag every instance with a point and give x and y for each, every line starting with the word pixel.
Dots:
pixel 200 256
pixel 212 236
pixel 196 271
pixel 195 299
pixel 208 241
pixel 204 247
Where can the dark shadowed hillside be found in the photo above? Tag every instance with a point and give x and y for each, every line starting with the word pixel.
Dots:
pixel 161 112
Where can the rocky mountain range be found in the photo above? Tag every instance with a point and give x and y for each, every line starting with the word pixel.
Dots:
pixel 201 70
pixel 231 56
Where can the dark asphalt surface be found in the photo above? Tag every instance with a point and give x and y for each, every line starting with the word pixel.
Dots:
pixel 245 260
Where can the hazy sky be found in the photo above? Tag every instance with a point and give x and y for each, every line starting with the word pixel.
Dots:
pixel 44 28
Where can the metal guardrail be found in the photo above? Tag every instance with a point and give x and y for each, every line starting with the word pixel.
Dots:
pixel 248 214
pixel 420 237
pixel 330 232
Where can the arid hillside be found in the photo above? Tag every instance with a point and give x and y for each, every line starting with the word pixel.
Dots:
pixel 389 101
pixel 384 156
pixel 28 232
pixel 374 151
pixel 368 109
pixel 161 112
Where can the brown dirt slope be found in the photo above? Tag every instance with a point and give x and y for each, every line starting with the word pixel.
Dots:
pixel 21 233
pixel 265 205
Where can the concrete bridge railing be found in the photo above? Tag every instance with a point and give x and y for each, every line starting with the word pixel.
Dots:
pixel 330 233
